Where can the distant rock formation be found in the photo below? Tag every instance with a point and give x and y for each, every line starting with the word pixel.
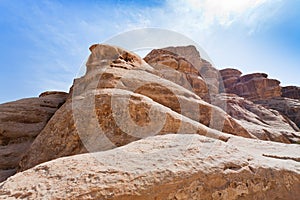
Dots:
pixel 184 167
pixel 291 92
pixel 20 122
pixel 288 107
pixel 254 86
pixel 178 70
pixel 263 123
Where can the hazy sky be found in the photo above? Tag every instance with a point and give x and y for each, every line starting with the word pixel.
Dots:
pixel 43 43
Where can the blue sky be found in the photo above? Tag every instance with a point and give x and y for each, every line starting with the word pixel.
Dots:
pixel 44 43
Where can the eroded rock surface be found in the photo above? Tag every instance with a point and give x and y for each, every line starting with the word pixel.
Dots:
pixel 256 86
pixel 110 107
pixel 20 122
pixel 183 167
pixel 286 106
pixel 292 92
pixel 263 123
pixel 209 73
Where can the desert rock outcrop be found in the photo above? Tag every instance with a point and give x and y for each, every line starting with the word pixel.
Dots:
pixel 256 86
pixel 291 92
pixel 263 123
pixel 110 107
pixel 286 106
pixel 209 73
pixel 20 122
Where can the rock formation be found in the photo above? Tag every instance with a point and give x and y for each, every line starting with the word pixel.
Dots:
pixel 267 92
pixel 291 92
pixel 178 70
pixel 263 123
pixel 254 86
pixel 157 128
pixel 210 74
pixel 183 167
pixel 286 106
pixel 20 122
pixel 96 115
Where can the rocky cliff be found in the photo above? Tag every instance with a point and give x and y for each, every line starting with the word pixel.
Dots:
pixel 153 128
pixel 256 86
pixel 267 92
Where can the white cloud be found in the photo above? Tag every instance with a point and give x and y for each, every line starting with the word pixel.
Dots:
pixel 205 14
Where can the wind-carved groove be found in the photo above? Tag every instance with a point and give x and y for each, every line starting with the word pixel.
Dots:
pixel 282 157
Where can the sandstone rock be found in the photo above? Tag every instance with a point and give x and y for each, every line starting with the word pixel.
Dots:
pixel 210 74
pixel 263 123
pixel 230 78
pixel 120 100
pixel 20 122
pixel 286 106
pixel 254 86
pixel 291 92
pixel 183 167
pixel 178 70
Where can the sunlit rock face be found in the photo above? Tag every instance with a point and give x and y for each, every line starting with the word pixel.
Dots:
pixel 256 86
pixel 169 126
pixel 117 81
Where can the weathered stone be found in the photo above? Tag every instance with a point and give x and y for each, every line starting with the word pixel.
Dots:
pixel 116 103
pixel 178 70
pixel 254 86
pixel 263 123
pixel 183 167
pixel 210 74
pixel 20 122
pixel 286 106
pixel 291 92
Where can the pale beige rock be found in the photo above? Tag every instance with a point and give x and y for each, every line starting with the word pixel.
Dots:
pixel 183 167
pixel 20 122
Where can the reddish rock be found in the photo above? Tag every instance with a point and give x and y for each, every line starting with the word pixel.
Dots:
pixel 20 122
pixel 210 74
pixel 230 78
pixel 291 92
pixel 254 86
pixel 178 70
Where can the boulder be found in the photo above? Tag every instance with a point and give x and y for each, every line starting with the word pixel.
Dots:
pixel 20 123
pixel 230 78
pixel 182 166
